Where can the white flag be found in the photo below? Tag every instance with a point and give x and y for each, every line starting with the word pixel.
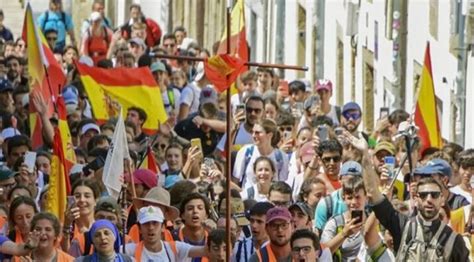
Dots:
pixel 114 164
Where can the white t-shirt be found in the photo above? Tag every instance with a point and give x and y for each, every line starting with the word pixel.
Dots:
pixel 190 96
pixel 166 254
pixel 256 196
pixel 242 138
pixel 295 180
pixel 166 101
pixel 249 177
pixel 458 190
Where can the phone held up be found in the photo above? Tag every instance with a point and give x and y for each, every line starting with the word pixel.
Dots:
pixel 357 214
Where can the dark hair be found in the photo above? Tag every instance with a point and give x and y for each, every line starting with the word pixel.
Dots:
pixel 208 111
pixel 191 197
pixel 13 57
pixel 49 31
pixel 260 209
pixel 87 183
pixel 321 120
pixel 217 236
pixel 137 6
pixel 271 127
pixel 66 48
pixel 465 159
pixel 45 154
pixel 10 193
pixel 234 193
pixel 180 29
pixel 429 180
pixel 80 152
pixel 306 186
pixel 305 233
pixel 331 145
pixel 271 101
pixel 280 186
pixel 296 86
pixel 105 63
pixel 254 98
pixel 285 119
pixel 179 191
pixel 141 113
pixel 47 216
pixel 174 145
pixel 18 202
pixel 353 185
pixel 398 116
pixel 17 141
pixel 266 159
pixel 95 140
pixel 248 76
pixel 266 70
pixel 169 36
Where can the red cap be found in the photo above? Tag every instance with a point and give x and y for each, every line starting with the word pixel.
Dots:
pixel 306 152
pixel 144 177
pixel 325 84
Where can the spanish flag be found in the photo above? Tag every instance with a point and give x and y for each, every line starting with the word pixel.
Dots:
pixel 222 70
pixel 126 86
pixel 46 75
pixel 59 185
pixel 426 114
pixel 238 38
pixel 149 162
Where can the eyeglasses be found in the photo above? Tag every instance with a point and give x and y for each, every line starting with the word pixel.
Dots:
pixel 351 115
pixel 328 159
pixel 281 203
pixel 275 226
pixel 433 194
pixel 306 249
pixel 8 186
pixel 249 110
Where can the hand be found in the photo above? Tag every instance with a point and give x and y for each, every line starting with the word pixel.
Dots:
pixel 198 121
pixel 26 259
pixel 39 102
pixel 165 128
pixel 216 175
pixel 71 215
pixel 351 227
pixel 384 175
pixel 316 140
pixel 33 239
pixel 287 145
pixel 239 117
pixel 117 36
pixel 358 143
pixel 381 125
pixel 194 154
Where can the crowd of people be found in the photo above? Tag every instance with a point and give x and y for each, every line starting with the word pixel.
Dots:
pixel 307 183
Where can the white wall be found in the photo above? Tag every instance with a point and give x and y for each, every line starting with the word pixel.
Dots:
pixel 469 138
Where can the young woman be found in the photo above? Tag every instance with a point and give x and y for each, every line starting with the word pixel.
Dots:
pixel 264 170
pixel 271 108
pixel 96 41
pixel 106 240
pixel 22 210
pixel 312 190
pixel 265 136
pixel 48 226
pixel 174 159
pixel 80 216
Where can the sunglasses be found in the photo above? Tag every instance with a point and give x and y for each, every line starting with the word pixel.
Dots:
pixel 328 159
pixel 51 38
pixel 433 194
pixel 250 110
pixel 287 128
pixel 351 115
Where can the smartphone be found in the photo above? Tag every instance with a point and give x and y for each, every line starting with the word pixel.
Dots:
pixel 239 108
pixel 338 131
pixel 95 165
pixel 71 201
pixel 196 142
pixel 30 161
pixel 357 214
pixel 390 163
pixel 323 133
pixel 384 112
pixel 209 163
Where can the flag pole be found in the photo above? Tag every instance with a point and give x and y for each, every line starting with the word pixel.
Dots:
pixel 228 142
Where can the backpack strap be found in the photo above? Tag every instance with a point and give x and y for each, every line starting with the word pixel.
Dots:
pixel 106 37
pixel 46 18
pixel 338 113
pixel 170 93
pixel 87 244
pixel 250 193
pixel 339 221
pixel 328 202
pixel 378 252
pixel 248 156
pixel 403 242
pixel 457 202
pixel 448 246
pixel 279 162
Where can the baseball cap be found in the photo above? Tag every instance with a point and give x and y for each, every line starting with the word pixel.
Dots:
pixel 138 41
pixel 170 180
pixel 150 213
pixel 5 85
pixel 435 166
pixel 90 126
pixel 276 213
pixel 307 152
pixel 95 16
pixel 351 168
pixel 86 60
pixel 5 173
pixel 385 145
pixel 311 101
pixel 70 95
pixel 200 73
pixel 237 208
pixel 304 208
pixel 107 203
pixel 323 84
pixel 144 177
pixel 208 95
pixel 158 66
pixel 351 106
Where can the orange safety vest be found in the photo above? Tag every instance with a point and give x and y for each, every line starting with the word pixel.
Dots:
pixel 265 254
pixel 140 246
pixel 61 256
pixel 196 259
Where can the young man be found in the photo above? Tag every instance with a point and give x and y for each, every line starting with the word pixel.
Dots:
pixel 278 227
pixel 56 18
pixel 423 236
pixel 351 119
pixel 6 99
pixel 330 155
pixel 247 86
pixel 324 90
pixel 305 246
pixel 265 80
pixel 280 194
pixel 152 247
pixel 5 33
pixel 216 245
pixel 301 215
pixel 137 117
pixel 246 247
pixel 14 66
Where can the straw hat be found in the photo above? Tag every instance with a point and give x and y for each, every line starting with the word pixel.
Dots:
pixel 160 197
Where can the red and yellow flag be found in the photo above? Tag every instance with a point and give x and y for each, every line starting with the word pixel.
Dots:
pixel 46 75
pixel 238 38
pixel 149 162
pixel 59 185
pixel 128 87
pixel 426 114
pixel 222 70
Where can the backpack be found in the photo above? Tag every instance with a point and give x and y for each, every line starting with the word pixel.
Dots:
pixel 89 39
pixel 46 18
pixel 329 206
pixel 413 248
pixel 170 93
pixel 248 156
pixel 153 30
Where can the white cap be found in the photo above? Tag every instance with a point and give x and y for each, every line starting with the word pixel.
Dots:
pixel 150 213
pixel 88 127
pixel 9 132
pixel 95 16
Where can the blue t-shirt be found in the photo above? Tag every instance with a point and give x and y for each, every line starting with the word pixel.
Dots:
pixel 3 239
pixel 55 21
pixel 338 207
